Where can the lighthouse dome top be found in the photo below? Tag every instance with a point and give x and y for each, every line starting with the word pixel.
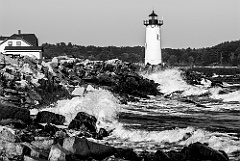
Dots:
pixel 153 14
pixel 153 20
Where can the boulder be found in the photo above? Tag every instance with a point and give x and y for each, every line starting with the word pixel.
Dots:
pixel 50 129
pixel 199 151
pixel 126 154
pixel 11 150
pixel 49 117
pixel 34 95
pixel 83 149
pixel 161 156
pixel 79 91
pixel 57 153
pixel 83 121
pixel 18 124
pixel 15 113
pixel 30 158
pixel 176 156
pixel 43 144
pixel 6 134
pixel 102 133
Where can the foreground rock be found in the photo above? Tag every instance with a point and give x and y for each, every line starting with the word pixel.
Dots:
pixel 49 117
pixel 83 121
pixel 14 113
pixel 199 151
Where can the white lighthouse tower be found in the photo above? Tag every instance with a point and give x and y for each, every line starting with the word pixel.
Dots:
pixel 153 53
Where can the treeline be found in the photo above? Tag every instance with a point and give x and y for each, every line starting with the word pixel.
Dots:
pixel 226 53
pixel 130 54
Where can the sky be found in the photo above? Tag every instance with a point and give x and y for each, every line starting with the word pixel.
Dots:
pixel 187 23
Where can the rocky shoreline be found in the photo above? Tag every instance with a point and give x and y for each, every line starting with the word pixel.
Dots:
pixel 26 84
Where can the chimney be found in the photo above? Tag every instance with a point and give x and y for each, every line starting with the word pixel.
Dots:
pixel 19 32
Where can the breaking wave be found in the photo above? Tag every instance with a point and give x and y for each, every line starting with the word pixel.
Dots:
pixel 99 103
pixel 171 80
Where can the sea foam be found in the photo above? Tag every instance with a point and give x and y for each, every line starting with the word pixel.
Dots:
pixel 171 80
pixel 99 103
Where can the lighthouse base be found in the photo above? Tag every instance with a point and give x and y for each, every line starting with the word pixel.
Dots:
pixel 153 61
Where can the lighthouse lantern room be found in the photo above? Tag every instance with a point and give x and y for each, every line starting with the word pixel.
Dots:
pixel 153 53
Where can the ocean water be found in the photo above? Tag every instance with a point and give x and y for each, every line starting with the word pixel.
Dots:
pixel 166 122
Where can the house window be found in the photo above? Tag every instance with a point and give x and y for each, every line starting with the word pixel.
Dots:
pixel 18 43
pixel 10 43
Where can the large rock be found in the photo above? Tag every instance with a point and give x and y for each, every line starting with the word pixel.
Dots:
pixel 15 113
pixel 49 117
pixel 7 134
pixel 126 154
pixel 79 91
pixel 57 153
pixel 84 121
pixel 161 156
pixel 11 150
pixel 199 151
pixel 83 149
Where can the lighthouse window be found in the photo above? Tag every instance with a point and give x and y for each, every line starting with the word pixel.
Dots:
pixel 158 37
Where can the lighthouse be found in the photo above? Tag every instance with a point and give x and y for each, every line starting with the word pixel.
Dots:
pixel 153 53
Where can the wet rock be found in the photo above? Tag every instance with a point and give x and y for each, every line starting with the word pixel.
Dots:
pixel 15 113
pixel 161 156
pixel 216 83
pixel 199 151
pixel 18 124
pixel 50 129
pixel 83 121
pixel 49 117
pixel 127 154
pixel 146 156
pixel 102 133
pixel 176 156
pixel 83 149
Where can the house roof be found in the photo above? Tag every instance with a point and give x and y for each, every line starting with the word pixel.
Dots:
pixel 24 48
pixel 3 37
pixel 30 38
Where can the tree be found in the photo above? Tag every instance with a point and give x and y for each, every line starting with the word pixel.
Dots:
pixel 172 60
pixel 190 61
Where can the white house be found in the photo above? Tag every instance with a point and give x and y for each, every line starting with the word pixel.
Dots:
pixel 21 45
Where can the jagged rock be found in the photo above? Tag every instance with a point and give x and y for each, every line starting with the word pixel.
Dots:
pixel 18 124
pixel 6 134
pixel 49 117
pixel 50 129
pixel 57 153
pixel 127 154
pixel 83 121
pixel 78 91
pixel 199 151
pixel 161 156
pixel 176 156
pixel 15 113
pixel 11 150
pixel 102 133
pixel 83 149
pixel 30 158
pixel 43 144
pixel 33 151
pixel 34 95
